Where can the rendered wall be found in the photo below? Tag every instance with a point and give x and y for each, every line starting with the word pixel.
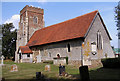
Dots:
pixel 92 37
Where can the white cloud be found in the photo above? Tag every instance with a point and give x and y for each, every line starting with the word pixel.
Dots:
pixel 36 6
pixel 31 5
pixel 14 19
pixel 42 1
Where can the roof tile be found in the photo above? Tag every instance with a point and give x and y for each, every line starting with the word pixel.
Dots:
pixel 25 49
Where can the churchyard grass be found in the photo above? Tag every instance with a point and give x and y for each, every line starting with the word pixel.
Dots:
pixel 28 71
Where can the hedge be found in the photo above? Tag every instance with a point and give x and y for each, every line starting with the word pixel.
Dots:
pixel 111 62
pixel 66 60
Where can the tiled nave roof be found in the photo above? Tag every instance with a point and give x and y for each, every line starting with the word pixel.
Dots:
pixel 70 29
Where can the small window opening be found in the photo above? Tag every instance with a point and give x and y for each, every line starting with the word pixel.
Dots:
pixel 68 47
pixel 99 41
pixel 35 20
pixel 49 54
pixel 58 55
pixel 28 55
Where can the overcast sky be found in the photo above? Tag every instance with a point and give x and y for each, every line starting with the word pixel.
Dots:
pixel 56 12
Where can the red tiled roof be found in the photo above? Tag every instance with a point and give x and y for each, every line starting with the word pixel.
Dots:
pixel 25 49
pixel 70 29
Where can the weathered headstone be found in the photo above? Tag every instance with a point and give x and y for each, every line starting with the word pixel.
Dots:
pixel 14 68
pixel 47 67
pixel 84 73
pixel 2 58
pixel 31 60
pixel 38 59
pixel 38 75
pixel 62 70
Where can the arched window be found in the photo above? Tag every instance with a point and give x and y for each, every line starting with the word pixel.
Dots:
pixel 35 20
pixel 58 55
pixel 49 54
pixel 99 41
pixel 68 45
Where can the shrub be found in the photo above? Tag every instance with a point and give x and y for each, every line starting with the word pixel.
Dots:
pixel 66 60
pixel 111 62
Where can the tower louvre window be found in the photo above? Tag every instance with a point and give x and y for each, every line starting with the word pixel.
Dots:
pixel 35 20
pixel 49 54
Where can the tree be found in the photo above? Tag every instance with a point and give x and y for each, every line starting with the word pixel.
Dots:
pixel 0 39
pixel 117 18
pixel 8 40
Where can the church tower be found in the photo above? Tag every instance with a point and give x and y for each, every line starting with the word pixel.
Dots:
pixel 31 19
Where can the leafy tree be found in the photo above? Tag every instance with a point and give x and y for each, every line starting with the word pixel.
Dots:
pixel 8 40
pixel 0 40
pixel 117 18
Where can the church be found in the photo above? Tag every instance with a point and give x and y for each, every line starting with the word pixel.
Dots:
pixel 83 40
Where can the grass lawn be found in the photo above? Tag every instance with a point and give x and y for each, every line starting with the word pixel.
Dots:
pixel 28 71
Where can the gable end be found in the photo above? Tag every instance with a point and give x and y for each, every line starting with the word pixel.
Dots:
pixel 102 24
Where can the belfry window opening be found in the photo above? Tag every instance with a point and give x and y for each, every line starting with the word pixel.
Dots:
pixel 35 20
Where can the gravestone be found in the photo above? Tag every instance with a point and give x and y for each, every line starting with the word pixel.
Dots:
pixel 2 58
pixel 62 70
pixel 38 75
pixel 31 60
pixel 14 68
pixel 38 59
pixel 84 73
pixel 47 67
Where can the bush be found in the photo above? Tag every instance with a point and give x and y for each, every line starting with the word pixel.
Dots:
pixel 66 60
pixel 111 62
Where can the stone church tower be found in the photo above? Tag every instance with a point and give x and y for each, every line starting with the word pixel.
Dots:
pixel 31 19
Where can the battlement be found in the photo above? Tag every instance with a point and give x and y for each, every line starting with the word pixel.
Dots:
pixel 32 9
